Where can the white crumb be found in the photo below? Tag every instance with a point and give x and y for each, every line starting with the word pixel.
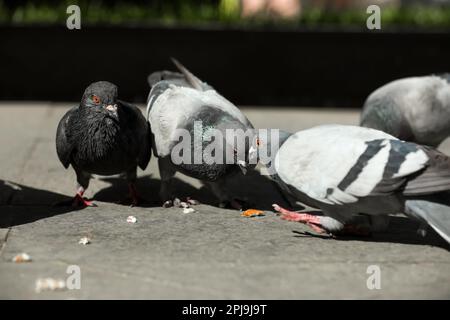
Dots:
pixel 49 284
pixel 22 257
pixel 131 219
pixel 184 204
pixel 84 241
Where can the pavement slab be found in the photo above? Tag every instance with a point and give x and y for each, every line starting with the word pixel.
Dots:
pixel 212 253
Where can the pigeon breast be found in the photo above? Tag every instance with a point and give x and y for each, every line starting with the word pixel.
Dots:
pixel 102 145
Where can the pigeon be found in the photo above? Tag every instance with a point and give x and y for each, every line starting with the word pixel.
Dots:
pixel 181 101
pixel 103 136
pixel 346 171
pixel 415 109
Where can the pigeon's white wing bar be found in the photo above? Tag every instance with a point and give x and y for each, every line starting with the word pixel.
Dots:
pixel 149 104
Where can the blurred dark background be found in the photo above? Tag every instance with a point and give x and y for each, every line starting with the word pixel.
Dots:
pixel 255 52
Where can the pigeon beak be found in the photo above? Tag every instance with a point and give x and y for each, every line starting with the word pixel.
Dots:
pixel 112 108
pixel 243 166
pixel 253 155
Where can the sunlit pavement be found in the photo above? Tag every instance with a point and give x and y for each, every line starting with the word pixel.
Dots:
pixel 211 253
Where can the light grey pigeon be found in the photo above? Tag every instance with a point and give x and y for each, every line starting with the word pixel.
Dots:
pixel 415 109
pixel 182 101
pixel 348 170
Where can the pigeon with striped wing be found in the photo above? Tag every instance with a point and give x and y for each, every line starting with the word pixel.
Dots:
pixel 349 170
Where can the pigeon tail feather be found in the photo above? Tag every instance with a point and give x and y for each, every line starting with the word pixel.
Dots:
pixel 435 213
pixel 195 82
pixel 158 76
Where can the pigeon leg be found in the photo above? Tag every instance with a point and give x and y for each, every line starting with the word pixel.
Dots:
pixel 133 199
pixel 310 220
pixel 324 224
pixel 79 200
pixel 134 195
pixel 83 183
pixel 166 171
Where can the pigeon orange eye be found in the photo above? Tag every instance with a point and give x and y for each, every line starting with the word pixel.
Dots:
pixel 96 99
pixel 258 142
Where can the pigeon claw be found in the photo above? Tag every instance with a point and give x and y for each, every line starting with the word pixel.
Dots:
pixel 310 220
pixel 79 201
pixel 133 199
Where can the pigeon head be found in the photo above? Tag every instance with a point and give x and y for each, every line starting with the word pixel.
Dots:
pixel 101 97
pixel 239 148
pixel 265 145
pixel 237 141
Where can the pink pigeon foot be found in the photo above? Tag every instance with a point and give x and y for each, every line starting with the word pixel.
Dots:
pixel 79 201
pixel 310 220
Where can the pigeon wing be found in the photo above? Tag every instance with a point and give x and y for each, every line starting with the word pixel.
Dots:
pixel 339 164
pixel 64 147
pixel 179 106
pixel 435 177
pixel 141 129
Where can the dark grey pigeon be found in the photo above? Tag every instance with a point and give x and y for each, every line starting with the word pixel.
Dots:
pixel 103 136
pixel 179 101
pixel 346 171
pixel 415 109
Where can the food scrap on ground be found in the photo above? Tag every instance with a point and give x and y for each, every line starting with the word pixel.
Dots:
pixel 84 241
pixel 49 284
pixel 176 202
pixel 22 257
pixel 188 210
pixel 184 204
pixel 252 213
pixel 131 219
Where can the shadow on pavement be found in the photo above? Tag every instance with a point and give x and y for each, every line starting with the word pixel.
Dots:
pixel 20 204
pixel 148 189
pixel 401 230
pixel 257 190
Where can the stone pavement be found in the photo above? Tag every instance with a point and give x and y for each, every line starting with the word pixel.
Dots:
pixel 210 254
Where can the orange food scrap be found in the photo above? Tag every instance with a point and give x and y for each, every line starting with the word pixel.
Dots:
pixel 252 213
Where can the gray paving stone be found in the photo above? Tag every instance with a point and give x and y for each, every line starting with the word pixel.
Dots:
pixel 210 254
